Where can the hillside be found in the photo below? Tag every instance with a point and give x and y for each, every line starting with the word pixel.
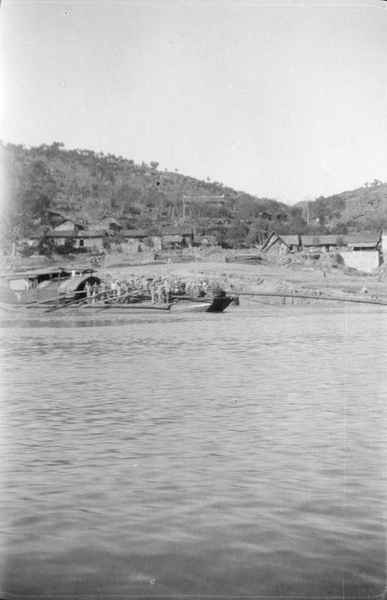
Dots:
pixel 85 185
pixel 358 210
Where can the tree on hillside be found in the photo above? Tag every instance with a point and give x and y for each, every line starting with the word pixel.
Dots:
pixel 237 234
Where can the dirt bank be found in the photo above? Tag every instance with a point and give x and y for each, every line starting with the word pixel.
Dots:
pixel 268 275
pixel 278 274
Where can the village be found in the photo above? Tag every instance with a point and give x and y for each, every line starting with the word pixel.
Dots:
pixel 363 251
pixel 154 267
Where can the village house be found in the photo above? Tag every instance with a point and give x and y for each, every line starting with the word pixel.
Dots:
pixel 134 239
pixel 281 244
pixel 176 238
pixel 90 240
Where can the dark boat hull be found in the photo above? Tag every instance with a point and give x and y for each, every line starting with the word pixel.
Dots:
pixel 183 304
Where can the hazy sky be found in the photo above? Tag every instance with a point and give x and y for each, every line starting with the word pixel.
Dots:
pixel 283 99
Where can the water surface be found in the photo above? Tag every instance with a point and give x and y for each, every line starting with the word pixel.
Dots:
pixel 240 454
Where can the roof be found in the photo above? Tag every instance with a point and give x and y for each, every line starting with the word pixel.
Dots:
pixel 69 233
pixel 288 240
pixel 76 223
pixel 362 244
pixel 322 240
pixel 176 231
pixel 134 233
pixel 81 268
pixel 364 237
pixel 92 233
pixel 34 273
pixel 75 283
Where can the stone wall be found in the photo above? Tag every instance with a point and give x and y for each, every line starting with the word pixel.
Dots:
pixel 362 260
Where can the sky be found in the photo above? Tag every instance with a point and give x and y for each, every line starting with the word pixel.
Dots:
pixel 281 99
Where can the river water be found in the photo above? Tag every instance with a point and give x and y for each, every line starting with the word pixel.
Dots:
pixel 232 455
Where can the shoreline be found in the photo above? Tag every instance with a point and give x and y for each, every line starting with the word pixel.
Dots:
pixel 272 275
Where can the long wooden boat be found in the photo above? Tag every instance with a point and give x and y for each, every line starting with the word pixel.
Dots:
pixel 51 290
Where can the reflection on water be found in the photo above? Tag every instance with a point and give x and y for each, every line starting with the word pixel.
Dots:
pixel 240 454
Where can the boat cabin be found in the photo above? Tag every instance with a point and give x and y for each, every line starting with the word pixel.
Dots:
pixel 38 285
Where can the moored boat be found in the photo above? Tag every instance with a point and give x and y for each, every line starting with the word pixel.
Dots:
pixel 54 289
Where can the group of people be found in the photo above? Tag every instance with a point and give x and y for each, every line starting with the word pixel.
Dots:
pixel 160 290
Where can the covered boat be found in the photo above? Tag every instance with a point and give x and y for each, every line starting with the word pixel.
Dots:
pixel 74 288
pixel 39 286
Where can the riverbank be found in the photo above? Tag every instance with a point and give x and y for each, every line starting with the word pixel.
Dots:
pixel 289 274
pixel 268 276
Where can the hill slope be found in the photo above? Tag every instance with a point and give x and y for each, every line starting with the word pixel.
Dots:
pixel 359 210
pixel 86 185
